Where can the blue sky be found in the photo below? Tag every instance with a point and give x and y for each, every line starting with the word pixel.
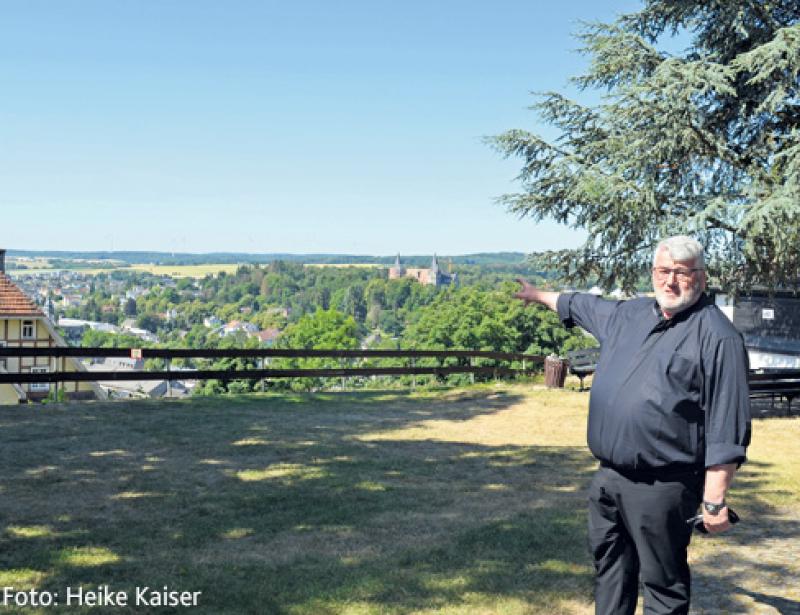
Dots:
pixel 260 126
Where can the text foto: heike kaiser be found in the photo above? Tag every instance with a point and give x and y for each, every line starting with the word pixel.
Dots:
pixel 102 595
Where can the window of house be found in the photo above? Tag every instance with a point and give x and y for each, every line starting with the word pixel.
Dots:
pixel 28 330
pixel 40 386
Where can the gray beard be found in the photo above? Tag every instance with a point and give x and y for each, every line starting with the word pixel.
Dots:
pixel 674 306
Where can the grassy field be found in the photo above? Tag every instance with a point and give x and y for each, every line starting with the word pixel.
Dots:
pixel 346 265
pixel 176 271
pixel 185 271
pixel 30 263
pixel 466 501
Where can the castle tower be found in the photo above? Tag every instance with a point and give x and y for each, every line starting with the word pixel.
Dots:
pixel 397 271
pixel 435 272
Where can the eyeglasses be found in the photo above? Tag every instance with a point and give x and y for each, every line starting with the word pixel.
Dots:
pixel 681 273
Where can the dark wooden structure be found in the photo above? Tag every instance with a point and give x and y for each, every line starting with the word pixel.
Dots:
pixel 779 383
pixel 773 384
pixel 583 362
pixel 464 360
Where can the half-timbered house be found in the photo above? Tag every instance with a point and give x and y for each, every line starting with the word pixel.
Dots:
pixel 24 325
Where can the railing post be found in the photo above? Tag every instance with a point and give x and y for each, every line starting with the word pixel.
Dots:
pixel 74 384
pixel 261 366
pixel 413 376
pixel 55 380
pixel 472 374
pixel 169 380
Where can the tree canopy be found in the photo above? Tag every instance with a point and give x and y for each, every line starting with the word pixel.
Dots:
pixel 490 320
pixel 705 142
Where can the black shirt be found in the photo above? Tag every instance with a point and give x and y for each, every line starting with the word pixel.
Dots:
pixel 668 394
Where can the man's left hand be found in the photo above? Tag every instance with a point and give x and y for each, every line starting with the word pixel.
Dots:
pixel 716 523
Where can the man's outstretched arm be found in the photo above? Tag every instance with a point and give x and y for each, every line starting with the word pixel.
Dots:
pixel 531 294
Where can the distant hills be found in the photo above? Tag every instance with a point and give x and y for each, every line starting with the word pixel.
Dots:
pixel 170 258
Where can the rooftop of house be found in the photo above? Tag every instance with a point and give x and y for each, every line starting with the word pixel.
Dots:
pixel 268 335
pixel 13 302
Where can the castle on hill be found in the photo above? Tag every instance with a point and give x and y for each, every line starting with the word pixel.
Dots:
pixel 432 277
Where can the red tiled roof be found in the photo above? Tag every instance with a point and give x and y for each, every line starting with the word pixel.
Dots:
pixel 267 335
pixel 13 302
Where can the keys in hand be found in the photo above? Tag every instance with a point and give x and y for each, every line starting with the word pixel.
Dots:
pixel 699 526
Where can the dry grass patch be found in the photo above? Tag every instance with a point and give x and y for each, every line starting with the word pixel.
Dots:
pixel 754 568
pixel 185 271
pixel 464 501
pixel 87 556
pixel 548 418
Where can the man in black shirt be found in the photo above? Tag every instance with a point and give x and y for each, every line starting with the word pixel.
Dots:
pixel 669 421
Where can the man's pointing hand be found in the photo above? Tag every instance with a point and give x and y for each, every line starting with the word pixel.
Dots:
pixel 530 294
pixel 527 293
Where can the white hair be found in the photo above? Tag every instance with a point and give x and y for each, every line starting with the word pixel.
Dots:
pixel 682 248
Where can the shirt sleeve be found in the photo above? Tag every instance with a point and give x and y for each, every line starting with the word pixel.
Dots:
pixel 588 312
pixel 727 407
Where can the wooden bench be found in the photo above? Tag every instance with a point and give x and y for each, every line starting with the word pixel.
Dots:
pixel 583 362
pixel 781 383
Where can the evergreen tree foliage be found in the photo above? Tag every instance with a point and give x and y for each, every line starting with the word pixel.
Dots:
pixel 704 142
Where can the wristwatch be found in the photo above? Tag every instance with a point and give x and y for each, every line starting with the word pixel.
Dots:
pixel 713 509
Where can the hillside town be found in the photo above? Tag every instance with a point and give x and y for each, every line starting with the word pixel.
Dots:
pixel 123 308
pixel 260 307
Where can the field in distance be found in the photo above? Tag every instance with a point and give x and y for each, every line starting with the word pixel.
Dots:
pixel 44 265
pixel 175 271
pixel 185 271
pixel 340 265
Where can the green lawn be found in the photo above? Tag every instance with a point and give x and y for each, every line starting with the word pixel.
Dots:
pixel 464 501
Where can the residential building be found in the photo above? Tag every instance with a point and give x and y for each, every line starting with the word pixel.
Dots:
pixel 143 334
pixel 212 322
pixel 238 325
pixel 104 327
pixel 125 389
pixel 24 325
pixel 116 364
pixel 73 328
pixel 267 337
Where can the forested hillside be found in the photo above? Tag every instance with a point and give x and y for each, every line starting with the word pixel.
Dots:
pixel 294 306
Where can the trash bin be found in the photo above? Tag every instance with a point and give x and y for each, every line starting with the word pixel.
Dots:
pixel 555 371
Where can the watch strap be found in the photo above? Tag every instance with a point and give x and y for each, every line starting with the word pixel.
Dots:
pixel 713 507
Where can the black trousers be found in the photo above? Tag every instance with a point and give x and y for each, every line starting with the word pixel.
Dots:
pixel 637 528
